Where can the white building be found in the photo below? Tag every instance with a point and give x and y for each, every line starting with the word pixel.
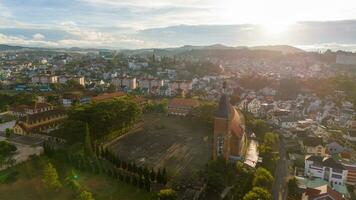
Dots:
pixel 254 107
pixel 184 86
pixel 64 79
pixel 148 83
pixel 325 168
pixel 44 79
pixel 124 82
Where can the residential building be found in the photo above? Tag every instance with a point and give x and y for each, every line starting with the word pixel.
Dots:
pixel 314 146
pixel 39 122
pixel 334 148
pixel 181 106
pixel 125 83
pixel 351 133
pixel 321 193
pixel 180 87
pixel 150 85
pixel 348 160
pixel 254 107
pixel 79 79
pixel 304 183
pixel 23 110
pixel 325 168
pixel 44 79
pixel 64 79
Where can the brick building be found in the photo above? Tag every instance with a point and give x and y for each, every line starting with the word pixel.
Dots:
pixel 230 140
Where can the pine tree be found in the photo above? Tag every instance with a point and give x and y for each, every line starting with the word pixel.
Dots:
pixel 139 170
pixel 146 172
pixel 85 195
pixel 159 176
pixel 147 184
pixel 153 175
pixel 164 177
pixel 50 177
pixel 124 165
pixel 129 167
pixel 141 183
pixel 134 180
pixel 88 148
pixel 119 163
pixel 97 150
pixel 101 151
pixel 134 168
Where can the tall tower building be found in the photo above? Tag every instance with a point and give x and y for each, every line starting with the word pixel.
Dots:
pixel 229 135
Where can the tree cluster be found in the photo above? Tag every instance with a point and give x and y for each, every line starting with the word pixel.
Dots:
pixel 156 107
pixel 103 118
pixel 205 112
pixel 269 151
pixel 106 163
pixel 12 100
pixel 159 176
pixel 6 151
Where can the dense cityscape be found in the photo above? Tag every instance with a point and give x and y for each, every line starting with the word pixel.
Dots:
pixel 207 122
pixel 177 100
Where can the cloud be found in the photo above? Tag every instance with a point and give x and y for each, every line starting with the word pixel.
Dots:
pixel 158 23
pixel 38 36
pixel 12 40
pixel 152 3
pixel 4 11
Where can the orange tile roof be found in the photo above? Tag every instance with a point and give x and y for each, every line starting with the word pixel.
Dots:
pixel 322 191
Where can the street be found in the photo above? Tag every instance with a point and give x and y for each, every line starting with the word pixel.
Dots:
pixel 279 189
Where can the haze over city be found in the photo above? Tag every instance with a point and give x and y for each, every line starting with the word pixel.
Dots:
pixel 310 25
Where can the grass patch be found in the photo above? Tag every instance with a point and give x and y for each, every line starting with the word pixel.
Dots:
pixel 28 184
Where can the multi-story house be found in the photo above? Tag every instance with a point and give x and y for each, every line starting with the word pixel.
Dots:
pixel 334 148
pixel 79 79
pixel 180 87
pixel 125 83
pixel 44 79
pixel 150 85
pixel 23 110
pixel 348 160
pixel 181 107
pixel 64 79
pixel 314 146
pixel 351 133
pixel 325 168
pixel 323 192
pixel 39 122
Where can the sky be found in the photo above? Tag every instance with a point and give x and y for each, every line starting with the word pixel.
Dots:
pixel 117 24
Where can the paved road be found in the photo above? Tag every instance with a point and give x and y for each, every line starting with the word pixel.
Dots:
pixel 279 189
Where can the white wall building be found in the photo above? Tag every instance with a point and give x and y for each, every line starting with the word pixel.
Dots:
pixel 325 168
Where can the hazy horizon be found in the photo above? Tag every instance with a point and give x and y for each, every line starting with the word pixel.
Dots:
pixel 133 24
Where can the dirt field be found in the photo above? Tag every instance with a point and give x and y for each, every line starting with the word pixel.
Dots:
pixel 181 145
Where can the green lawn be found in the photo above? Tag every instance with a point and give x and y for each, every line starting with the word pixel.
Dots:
pixel 28 184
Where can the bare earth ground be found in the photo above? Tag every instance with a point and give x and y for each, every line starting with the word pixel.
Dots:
pixel 182 145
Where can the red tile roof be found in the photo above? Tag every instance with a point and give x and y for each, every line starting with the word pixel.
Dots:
pixel 322 191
